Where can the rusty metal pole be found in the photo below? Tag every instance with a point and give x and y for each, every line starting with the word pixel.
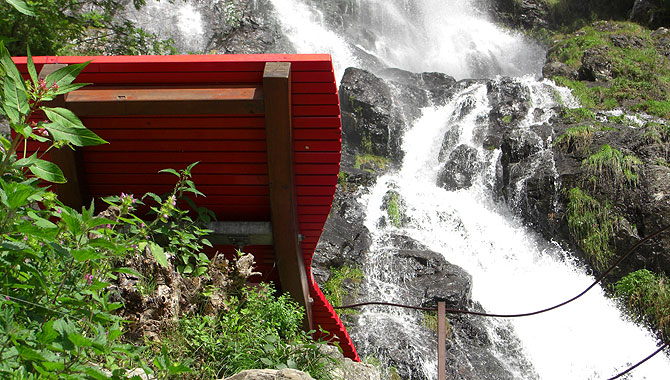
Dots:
pixel 441 341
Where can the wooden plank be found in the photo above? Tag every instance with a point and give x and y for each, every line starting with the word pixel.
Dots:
pixel 318 146
pixel 167 179
pixel 192 134
pixel 182 146
pixel 173 122
pixel 321 122
pixel 154 167
pixel 97 101
pixel 208 190
pixel 316 110
pixel 307 156
pixel 316 190
pixel 304 99
pixel 170 159
pixel 277 86
pixel 314 88
pixel 325 180
pixel 318 134
pixel 441 341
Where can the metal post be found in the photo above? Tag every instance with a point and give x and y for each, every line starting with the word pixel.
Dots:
pixel 441 341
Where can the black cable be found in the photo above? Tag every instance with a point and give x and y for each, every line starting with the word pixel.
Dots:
pixel 639 363
pixel 482 314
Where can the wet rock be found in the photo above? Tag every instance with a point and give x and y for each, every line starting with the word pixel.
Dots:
pixel 460 169
pixel 510 102
pixel 553 69
pixel 652 13
pixel 596 65
pixel 271 374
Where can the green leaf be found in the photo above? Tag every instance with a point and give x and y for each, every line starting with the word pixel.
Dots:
pixel 96 222
pixel 69 88
pixel 52 366
pixel 22 7
pixel 171 171
pixel 176 369
pixel 63 77
pixel 158 253
pixel 79 340
pixel 29 354
pixel 8 64
pixel 47 171
pixel 96 374
pixel 31 68
pixel 15 100
pixel 86 254
pixel 66 126
pixel 128 271
pixel 267 361
pixel 102 243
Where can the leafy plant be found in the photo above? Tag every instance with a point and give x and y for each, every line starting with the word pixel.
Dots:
pixel 612 164
pixel 592 224
pixel 393 210
pixel 258 331
pixel 333 289
pixel 648 295
pixel 575 139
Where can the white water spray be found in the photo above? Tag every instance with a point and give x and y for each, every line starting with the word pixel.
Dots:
pixel 513 269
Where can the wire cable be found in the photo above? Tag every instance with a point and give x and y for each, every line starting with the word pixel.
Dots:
pixel 517 315
pixel 639 363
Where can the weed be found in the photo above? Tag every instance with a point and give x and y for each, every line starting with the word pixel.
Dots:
pixel 430 321
pixel 507 119
pixel 648 295
pixel 333 289
pixel 592 224
pixel 393 210
pixel 614 165
pixel 576 139
pixel 577 115
pixel 370 162
pixel 342 178
pixel 366 143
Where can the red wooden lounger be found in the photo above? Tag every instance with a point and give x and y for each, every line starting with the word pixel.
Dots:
pixel 265 128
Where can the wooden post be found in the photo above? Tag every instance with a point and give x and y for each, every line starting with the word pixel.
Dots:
pixel 285 230
pixel 441 341
pixel 73 193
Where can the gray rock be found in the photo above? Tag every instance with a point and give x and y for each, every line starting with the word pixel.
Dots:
pixel 552 69
pixel 271 374
pixel 596 66
pixel 652 13
pixel 460 169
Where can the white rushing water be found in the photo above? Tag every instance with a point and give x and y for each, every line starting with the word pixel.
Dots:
pixel 513 269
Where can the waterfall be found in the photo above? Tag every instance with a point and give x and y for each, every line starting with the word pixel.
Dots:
pixel 514 270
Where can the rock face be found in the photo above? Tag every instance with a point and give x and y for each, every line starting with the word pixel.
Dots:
pixel 271 374
pixel 373 117
pixel 652 13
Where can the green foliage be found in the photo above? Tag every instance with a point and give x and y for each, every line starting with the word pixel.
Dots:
pixel 507 119
pixel 393 210
pixel 592 225
pixel 65 27
pixel 640 70
pixel 366 143
pixel 258 331
pixel 342 178
pixel 333 289
pixel 576 139
pixel 648 295
pixel 370 162
pixel 577 115
pixel 613 165
pixel 430 321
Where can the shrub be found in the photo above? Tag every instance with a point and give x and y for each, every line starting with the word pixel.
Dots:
pixel 613 165
pixel 648 295
pixel 592 224
pixel 576 139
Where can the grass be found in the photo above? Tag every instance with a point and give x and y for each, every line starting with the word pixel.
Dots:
pixel 333 289
pixel 648 296
pixel 612 164
pixel 577 115
pixel 393 210
pixel 592 225
pixel 576 138
pixel 430 321
pixel 641 74
pixel 377 162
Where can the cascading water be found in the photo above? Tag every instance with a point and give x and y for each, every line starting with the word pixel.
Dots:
pixel 513 269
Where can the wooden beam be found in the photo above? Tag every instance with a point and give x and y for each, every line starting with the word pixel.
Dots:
pixel 73 193
pixel 441 341
pixel 285 230
pixel 240 234
pixel 174 100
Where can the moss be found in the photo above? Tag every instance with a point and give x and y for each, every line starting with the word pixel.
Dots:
pixel 342 178
pixel 333 290
pixel 576 138
pixel 507 119
pixel 640 71
pixel 592 225
pixel 430 321
pixel 577 115
pixel 393 210
pixel 648 296
pixel 377 162
pixel 612 164
pixel 366 143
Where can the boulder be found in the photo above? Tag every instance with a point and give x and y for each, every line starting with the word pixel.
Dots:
pixel 271 374
pixel 553 69
pixel 596 65
pixel 459 169
pixel 652 13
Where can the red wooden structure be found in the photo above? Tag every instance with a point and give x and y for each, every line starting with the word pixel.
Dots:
pixel 265 128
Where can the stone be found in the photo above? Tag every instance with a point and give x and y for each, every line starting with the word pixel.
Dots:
pixel 596 65
pixel 554 69
pixel 270 374
pixel 460 169
pixel 652 13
